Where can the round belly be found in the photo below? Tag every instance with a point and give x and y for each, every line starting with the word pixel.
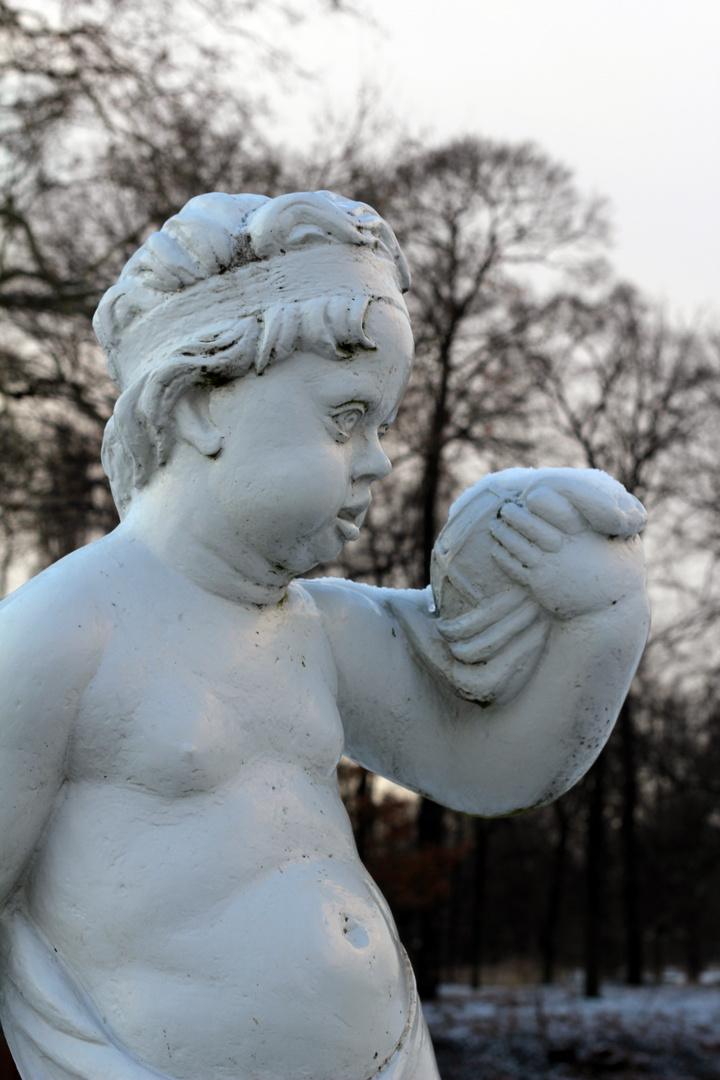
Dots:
pixel 299 976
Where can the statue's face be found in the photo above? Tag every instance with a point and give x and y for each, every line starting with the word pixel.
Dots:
pixel 301 446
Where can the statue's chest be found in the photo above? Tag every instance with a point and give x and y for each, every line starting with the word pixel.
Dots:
pixel 193 706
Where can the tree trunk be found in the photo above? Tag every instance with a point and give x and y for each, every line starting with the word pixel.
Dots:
pixel 594 877
pixel 693 960
pixel 364 813
pixel 428 944
pixel 432 462
pixel 482 834
pixel 552 912
pixel 8 1071
pixel 631 908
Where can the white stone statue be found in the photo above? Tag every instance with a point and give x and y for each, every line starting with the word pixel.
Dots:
pixel 181 893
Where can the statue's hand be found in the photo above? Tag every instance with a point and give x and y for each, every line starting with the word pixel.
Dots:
pixel 572 499
pixel 487 654
pixel 574 552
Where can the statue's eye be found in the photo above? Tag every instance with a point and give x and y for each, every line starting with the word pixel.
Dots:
pixel 383 430
pixel 347 419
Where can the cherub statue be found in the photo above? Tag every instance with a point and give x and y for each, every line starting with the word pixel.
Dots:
pixel 181 893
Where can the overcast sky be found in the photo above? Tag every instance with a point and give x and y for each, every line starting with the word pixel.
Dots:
pixel 625 92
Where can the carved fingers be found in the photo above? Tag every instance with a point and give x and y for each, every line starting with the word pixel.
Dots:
pixel 483 632
pixel 523 539
pixel 510 662
pixel 477 619
pixel 565 564
pixel 555 509
pixel 608 509
pixel 486 655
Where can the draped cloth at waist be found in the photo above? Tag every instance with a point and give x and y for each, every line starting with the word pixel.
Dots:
pixel 55 1032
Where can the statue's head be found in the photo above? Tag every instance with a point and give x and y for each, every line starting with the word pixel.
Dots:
pixel 231 285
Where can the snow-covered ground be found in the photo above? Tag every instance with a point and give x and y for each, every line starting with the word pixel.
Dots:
pixel 553 1033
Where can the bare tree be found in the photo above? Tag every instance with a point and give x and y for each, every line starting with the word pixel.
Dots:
pixel 627 393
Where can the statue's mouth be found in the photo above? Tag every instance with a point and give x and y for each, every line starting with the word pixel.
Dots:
pixel 349 520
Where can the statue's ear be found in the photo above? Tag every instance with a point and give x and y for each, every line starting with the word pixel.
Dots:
pixel 194 426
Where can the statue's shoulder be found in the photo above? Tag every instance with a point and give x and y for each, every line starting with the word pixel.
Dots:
pixel 59 614
pixel 351 608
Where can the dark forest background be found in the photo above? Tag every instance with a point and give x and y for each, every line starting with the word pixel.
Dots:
pixel 530 350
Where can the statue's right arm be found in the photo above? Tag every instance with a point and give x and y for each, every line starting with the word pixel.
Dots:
pixel 448 727
pixel 49 649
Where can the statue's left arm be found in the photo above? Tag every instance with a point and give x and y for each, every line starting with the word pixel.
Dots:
pixel 425 701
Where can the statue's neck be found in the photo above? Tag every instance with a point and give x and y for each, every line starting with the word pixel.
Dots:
pixel 185 542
